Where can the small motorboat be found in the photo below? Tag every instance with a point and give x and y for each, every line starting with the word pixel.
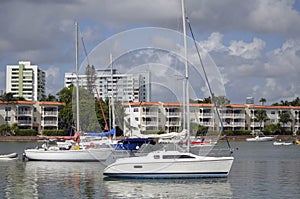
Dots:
pixel 10 156
pixel 280 143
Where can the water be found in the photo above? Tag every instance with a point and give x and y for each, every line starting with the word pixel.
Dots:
pixel 260 170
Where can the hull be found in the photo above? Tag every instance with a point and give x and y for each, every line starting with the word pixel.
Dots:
pixel 282 143
pixel 11 156
pixel 147 167
pixel 68 155
pixel 260 139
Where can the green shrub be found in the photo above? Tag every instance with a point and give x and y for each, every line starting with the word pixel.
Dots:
pixel 237 132
pixel 26 132
pixel 53 132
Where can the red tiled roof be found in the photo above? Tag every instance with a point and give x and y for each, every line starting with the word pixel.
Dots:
pixel 52 103
pixel 18 102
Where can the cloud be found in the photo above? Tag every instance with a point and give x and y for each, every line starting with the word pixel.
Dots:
pixel 238 34
pixel 54 80
pixel 247 50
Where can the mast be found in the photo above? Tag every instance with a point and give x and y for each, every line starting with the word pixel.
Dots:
pixel 112 97
pixel 77 79
pixel 186 93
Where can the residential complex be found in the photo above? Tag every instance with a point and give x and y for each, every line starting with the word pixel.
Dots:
pixel 30 114
pixel 25 80
pixel 108 82
pixel 169 116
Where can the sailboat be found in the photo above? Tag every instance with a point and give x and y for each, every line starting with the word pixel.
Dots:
pixel 75 153
pixel 171 163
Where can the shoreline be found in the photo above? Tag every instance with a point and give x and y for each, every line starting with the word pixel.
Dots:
pixel 222 138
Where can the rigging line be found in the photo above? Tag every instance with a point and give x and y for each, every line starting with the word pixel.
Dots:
pixel 206 79
pixel 93 79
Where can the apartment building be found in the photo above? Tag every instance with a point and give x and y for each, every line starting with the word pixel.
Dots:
pixel 30 114
pixel 25 80
pixel 168 117
pixel 108 82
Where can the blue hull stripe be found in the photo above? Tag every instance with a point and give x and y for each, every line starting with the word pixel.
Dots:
pixel 168 175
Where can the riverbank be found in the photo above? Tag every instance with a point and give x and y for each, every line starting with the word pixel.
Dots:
pixel 231 138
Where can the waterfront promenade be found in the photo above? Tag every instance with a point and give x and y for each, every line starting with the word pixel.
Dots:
pixel 231 138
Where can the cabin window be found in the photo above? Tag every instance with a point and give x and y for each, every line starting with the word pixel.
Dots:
pixel 177 156
pixel 156 157
pixel 186 156
pixel 137 166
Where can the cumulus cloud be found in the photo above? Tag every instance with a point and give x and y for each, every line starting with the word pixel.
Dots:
pixel 235 32
pixel 247 50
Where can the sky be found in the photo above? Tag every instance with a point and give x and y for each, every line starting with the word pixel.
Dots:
pixel 254 44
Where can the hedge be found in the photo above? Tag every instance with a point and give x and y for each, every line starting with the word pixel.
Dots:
pixel 26 132
pixel 53 132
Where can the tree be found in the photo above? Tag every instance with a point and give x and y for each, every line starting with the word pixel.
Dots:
pixel 90 74
pixel 262 101
pixel 285 117
pixel 261 117
pixel 65 114
pixel 49 98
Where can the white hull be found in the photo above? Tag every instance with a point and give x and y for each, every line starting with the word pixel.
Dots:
pixel 260 139
pixel 154 165
pixel 282 143
pixel 81 155
pixel 7 157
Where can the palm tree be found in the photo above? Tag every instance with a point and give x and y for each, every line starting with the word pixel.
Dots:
pixel 262 101
pixel 285 117
pixel 8 98
pixel 261 116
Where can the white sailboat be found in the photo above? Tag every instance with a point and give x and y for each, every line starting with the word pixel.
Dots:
pixel 171 163
pixel 76 153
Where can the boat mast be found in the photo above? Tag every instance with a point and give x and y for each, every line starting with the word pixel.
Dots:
pixel 77 79
pixel 112 97
pixel 186 93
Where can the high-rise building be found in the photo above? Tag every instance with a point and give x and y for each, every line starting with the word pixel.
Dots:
pixel 107 83
pixel 25 80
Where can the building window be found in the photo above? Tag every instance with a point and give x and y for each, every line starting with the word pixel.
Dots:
pixel 7 119
pixel 273 112
pixel 7 108
pixel 135 110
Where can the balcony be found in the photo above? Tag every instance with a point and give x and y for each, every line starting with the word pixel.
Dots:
pixel 50 113
pixel 49 123
pixel 152 113
pixel 24 113
pixel 173 114
pixel 150 123
pixel 24 122
pixel 173 123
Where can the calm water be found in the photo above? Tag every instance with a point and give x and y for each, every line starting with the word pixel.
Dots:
pixel 260 170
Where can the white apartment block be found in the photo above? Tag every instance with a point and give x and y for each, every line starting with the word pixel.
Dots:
pixel 143 116
pixel 30 114
pixel 25 80
pixel 123 87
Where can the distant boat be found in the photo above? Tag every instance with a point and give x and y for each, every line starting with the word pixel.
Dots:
pixel 260 137
pixel 280 143
pixel 10 156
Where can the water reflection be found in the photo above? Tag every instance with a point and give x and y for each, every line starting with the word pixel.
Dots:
pixel 56 180
pixel 190 188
